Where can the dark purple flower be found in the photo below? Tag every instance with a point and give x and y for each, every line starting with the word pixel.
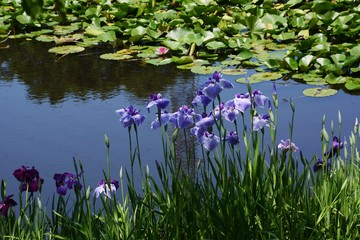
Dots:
pixel 103 188
pixel 158 101
pixel 6 204
pixel 210 141
pixel 260 99
pixel 335 148
pixel 183 118
pixel 29 178
pixel 232 138
pixel 260 121
pixel 129 116
pixel 201 98
pixel 66 181
pixel 320 164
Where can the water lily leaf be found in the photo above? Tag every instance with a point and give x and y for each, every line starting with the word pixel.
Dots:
pixel 230 62
pixel 24 19
pixel 64 30
pixel 92 31
pixel 332 79
pixel 67 49
pixel 173 45
pixel 355 51
pixel 205 69
pixel 305 62
pixel 233 71
pixel 109 36
pixel 265 76
pixel 179 34
pixel 182 60
pixel 319 92
pixel 338 58
pixel 244 55
pixel 215 45
pixel 159 61
pixel 115 56
pixel 251 64
pixel 323 61
pixel 255 25
pixel 292 63
pixel 147 55
pixel 45 38
pixel 153 34
pixel 353 84
pixel 196 62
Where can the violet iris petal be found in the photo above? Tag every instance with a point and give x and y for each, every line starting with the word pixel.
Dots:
pixel 232 138
pixel 103 188
pixel 210 141
pixel 260 99
pixel 335 148
pixel 212 90
pixel 260 121
pixel 6 205
pixel 201 98
pixel 183 118
pixel 129 116
pixel 66 181
pixel 242 102
pixel 164 118
pixel 29 178
pixel 230 112
pixel 286 145
pixel 156 99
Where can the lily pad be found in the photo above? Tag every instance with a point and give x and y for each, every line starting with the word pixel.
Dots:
pixel 260 77
pixel 319 92
pixel 233 71
pixel 195 63
pixel 68 49
pixel 159 61
pixel 353 84
pixel 115 56
pixel 205 70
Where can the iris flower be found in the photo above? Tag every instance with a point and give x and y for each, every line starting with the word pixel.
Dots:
pixel 260 99
pixel 210 141
pixel 241 102
pixel 232 137
pixel 29 177
pixel 335 148
pixel 320 164
pixel 6 205
pixel 214 85
pixel 183 118
pixel 103 188
pixel 202 125
pixel 201 98
pixel 66 181
pixel 260 121
pixel 158 101
pixel 164 118
pixel 129 116
pixel 286 145
pixel 230 112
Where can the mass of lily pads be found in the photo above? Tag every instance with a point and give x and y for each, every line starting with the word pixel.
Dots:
pixel 223 174
pixel 311 41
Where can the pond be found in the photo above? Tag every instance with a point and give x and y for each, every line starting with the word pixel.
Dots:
pixel 54 109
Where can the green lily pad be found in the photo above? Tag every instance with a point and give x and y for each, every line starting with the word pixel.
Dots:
pixel 115 56
pixel 182 60
pixel 67 49
pixel 353 84
pixel 45 38
pixel 230 62
pixel 260 77
pixel 233 71
pixel 319 92
pixel 159 61
pixel 195 63
pixel 205 70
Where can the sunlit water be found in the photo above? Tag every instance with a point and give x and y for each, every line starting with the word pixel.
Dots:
pixel 55 109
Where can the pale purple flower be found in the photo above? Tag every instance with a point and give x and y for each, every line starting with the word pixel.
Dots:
pixel 29 178
pixel 158 101
pixel 129 116
pixel 201 98
pixel 260 121
pixel 260 99
pixel 209 141
pixel 161 50
pixel 183 118
pixel 287 145
pixel 241 102
pixel 66 181
pixel 103 188
pixel 230 112
pixel 232 137
pixel 6 204
pixel 214 85
pixel 203 124
pixel 164 118
pixel 218 110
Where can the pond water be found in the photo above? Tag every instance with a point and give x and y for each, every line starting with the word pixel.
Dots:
pixel 54 109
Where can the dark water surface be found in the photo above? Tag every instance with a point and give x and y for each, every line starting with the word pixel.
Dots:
pixel 55 108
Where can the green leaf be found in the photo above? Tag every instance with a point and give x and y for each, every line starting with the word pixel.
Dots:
pixel 115 56
pixel 305 62
pixel 68 49
pixel 353 84
pixel 182 60
pixel 137 33
pixel 319 92
pixel 355 51
pixel 205 69
pixel 332 79
pixel 159 61
pixel 292 63
pixel 107 36
pixel 260 77
pixel 233 71
pixel 215 45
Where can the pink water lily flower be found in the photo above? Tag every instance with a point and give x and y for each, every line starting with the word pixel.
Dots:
pixel 161 50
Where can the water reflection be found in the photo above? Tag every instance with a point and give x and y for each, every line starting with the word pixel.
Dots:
pixel 81 76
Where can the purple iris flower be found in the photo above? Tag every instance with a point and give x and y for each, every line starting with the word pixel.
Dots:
pixel 103 188
pixel 218 110
pixel 201 98
pixel 129 116
pixel 183 118
pixel 6 204
pixel 260 121
pixel 29 177
pixel 335 148
pixel 210 141
pixel 232 137
pixel 260 99
pixel 320 164
pixel 229 111
pixel 286 145
pixel 241 102
pixel 164 118
pixel 203 124
pixel 66 181
pixel 158 101
pixel 214 85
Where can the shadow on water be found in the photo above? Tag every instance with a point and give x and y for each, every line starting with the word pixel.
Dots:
pixel 82 76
